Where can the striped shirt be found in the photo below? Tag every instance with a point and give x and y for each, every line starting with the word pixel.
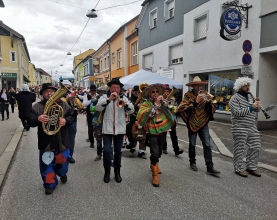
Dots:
pixel 242 112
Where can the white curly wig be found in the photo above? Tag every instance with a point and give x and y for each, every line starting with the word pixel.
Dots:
pixel 240 82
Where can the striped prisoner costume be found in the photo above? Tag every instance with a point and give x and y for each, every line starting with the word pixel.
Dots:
pixel 245 133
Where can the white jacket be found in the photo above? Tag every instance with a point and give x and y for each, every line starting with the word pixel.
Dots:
pixel 114 121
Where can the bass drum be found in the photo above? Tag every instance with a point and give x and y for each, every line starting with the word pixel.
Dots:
pixel 138 132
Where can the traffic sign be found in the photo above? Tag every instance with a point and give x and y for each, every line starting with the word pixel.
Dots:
pixel 247 46
pixel 246 70
pixel 246 59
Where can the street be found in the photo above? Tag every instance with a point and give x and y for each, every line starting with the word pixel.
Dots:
pixel 183 194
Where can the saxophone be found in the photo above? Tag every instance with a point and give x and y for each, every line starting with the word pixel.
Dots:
pixel 54 111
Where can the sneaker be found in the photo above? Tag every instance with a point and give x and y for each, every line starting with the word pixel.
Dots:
pixel 49 191
pixel 142 155
pixel 71 160
pixel 241 173
pixel 193 167
pixel 64 179
pixel 178 152
pixel 254 172
pixel 98 158
pixel 213 172
pixel 165 152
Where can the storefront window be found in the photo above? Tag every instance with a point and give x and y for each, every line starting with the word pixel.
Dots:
pixel 221 87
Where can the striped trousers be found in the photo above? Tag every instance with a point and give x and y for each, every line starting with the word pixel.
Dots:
pixel 246 141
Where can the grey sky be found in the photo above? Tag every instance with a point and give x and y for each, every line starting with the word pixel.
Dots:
pixel 50 29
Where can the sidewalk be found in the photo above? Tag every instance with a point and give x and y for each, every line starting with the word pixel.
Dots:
pixel 10 134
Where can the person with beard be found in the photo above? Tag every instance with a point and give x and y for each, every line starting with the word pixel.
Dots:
pixel 53 149
pixel 172 131
pixel 132 142
pixel 25 98
pixel 113 126
pixel 197 113
pixel 246 137
pixel 155 118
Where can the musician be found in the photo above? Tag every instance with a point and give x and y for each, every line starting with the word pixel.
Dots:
pixel 196 113
pixel 132 142
pixel 71 100
pixel 244 130
pixel 172 131
pixel 87 100
pixel 114 126
pixel 156 120
pixel 54 152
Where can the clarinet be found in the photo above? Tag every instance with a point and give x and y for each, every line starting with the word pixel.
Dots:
pixel 262 109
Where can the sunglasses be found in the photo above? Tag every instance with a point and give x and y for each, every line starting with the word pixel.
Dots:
pixel 154 91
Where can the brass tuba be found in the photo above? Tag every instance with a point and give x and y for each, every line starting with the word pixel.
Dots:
pixel 54 111
pixel 170 99
pixel 142 86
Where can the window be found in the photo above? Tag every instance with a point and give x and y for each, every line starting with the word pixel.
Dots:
pixel 169 6
pixel 101 67
pixel 153 18
pixel 200 27
pixel 13 57
pixel 105 63
pixel 119 59
pixel 148 61
pixel 86 72
pixel 135 53
pixel 176 54
pixel 106 60
pixel 46 77
pixel 113 58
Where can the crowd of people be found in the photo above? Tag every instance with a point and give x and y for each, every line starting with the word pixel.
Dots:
pixel 143 117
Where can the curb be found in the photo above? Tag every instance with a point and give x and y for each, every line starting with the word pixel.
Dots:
pixel 7 155
pixel 224 150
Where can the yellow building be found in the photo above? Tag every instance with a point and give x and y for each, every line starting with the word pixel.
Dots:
pixel 124 60
pixel 15 58
pixel 32 74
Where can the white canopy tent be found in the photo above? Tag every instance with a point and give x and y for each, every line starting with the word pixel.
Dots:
pixel 143 76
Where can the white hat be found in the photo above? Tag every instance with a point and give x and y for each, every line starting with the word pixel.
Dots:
pixel 67 82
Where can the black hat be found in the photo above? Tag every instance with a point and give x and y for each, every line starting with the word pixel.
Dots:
pixel 136 88
pixel 92 87
pixel 115 81
pixel 47 86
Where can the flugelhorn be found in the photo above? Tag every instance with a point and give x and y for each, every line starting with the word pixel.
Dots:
pixel 208 97
pixel 262 109
pixel 169 101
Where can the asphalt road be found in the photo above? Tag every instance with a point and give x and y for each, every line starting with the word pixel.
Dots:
pixel 183 194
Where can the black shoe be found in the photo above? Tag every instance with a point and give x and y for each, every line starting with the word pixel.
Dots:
pixel 193 167
pixel 178 152
pixel 64 179
pixel 165 152
pixel 91 145
pixel 49 191
pixel 117 176
pixel 71 160
pixel 142 155
pixel 27 128
pixel 107 174
pixel 128 146
pixel 254 172
pixel 213 172
pixel 2 119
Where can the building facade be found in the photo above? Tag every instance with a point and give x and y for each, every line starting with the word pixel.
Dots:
pixel 212 58
pixel 160 27
pixel 14 58
pixel 42 76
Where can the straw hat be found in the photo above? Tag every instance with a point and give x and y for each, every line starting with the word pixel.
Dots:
pixel 197 81
pixel 148 89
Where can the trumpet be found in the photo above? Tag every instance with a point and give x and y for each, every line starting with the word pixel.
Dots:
pixel 120 102
pixel 208 97
pixel 262 109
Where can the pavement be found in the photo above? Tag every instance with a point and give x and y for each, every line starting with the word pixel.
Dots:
pixel 11 131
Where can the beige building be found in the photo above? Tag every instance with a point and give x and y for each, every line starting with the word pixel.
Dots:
pixel 14 58
pixel 32 74
pixel 42 76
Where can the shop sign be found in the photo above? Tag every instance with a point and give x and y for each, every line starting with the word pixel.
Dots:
pixel 165 73
pixel 230 23
pixel 9 75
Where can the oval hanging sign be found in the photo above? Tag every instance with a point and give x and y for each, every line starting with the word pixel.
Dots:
pixel 230 23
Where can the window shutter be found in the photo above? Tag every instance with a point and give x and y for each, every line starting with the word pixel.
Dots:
pixel 148 61
pixel 177 52
pixel 201 27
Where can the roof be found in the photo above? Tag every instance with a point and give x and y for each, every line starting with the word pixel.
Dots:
pixel 42 71
pixel 144 3
pixel 2 4
pixel 18 35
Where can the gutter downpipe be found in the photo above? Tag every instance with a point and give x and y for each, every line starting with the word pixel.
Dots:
pixel 110 58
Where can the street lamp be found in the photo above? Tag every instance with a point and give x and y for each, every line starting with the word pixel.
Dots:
pixel 92 14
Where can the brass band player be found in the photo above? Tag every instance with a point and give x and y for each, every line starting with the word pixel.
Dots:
pixel 114 126
pixel 171 105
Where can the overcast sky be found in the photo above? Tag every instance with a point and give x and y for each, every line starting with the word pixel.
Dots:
pixel 51 29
